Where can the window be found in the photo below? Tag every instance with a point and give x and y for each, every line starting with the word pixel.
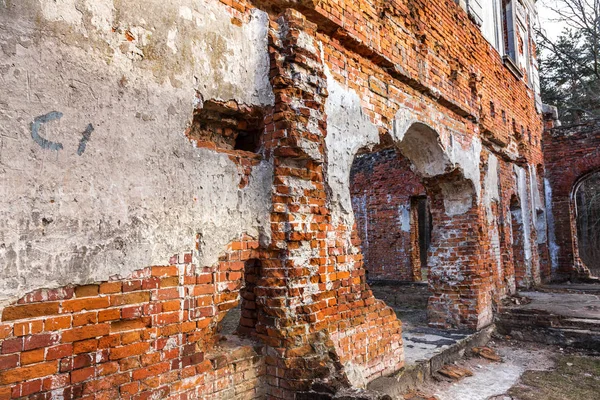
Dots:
pixel 491 25
pixel 518 55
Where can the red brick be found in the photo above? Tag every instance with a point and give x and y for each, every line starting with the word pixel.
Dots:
pixel 43 340
pixel 12 345
pixel 110 287
pixel 85 332
pixel 33 356
pixel 130 298
pixel 57 323
pixel 60 351
pixel 9 361
pixel 11 313
pixel 128 351
pixel 165 271
pixel 83 374
pixel 87 290
pixel 85 319
pixel 27 373
pixel 28 328
pixel 88 303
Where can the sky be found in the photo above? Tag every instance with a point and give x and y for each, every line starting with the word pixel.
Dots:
pixel 548 19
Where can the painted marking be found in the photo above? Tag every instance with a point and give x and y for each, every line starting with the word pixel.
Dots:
pixel 35 131
pixel 85 138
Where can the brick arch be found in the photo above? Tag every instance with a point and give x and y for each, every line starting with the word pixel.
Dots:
pixel 570 153
pixel 578 263
pixel 456 254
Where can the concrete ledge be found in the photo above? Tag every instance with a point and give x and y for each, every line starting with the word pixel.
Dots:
pixel 415 374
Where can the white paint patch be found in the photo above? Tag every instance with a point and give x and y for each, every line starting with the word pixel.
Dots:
pixel 171 40
pixel 62 11
pixel 102 14
pixel 186 13
pixel 404 217
pixel 468 161
pixel 458 197
pixel 348 130
pixel 522 189
pixel 491 189
pixel 552 245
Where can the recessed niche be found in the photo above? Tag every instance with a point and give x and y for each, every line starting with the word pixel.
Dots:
pixel 228 126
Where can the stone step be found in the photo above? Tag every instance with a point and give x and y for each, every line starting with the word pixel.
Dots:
pixel 551 329
pixel 581 323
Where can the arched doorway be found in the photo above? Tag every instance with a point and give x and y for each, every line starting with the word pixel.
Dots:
pixel 586 206
pixel 392 216
pixel 448 176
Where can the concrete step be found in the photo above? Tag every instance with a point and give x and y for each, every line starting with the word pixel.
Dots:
pixel 581 323
pixel 581 333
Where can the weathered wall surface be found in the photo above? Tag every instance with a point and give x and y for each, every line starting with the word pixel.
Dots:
pixel 571 153
pixel 101 183
pixel 134 191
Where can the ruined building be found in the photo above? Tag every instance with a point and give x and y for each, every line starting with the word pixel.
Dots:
pixel 166 162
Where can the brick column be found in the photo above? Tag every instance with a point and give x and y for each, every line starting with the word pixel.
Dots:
pixel 460 266
pixel 301 351
pixel 321 314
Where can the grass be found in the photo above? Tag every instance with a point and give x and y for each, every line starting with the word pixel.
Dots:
pixel 574 378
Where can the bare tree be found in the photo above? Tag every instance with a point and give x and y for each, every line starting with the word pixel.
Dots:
pixel 570 64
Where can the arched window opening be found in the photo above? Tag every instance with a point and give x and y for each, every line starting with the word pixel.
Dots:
pixel 587 215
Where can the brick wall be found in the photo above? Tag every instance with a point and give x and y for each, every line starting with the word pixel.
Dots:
pixel 151 335
pixel 570 153
pixel 310 313
pixel 382 185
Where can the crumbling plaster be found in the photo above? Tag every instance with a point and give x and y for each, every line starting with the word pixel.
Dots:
pixel 525 215
pixel 432 154
pixel 140 192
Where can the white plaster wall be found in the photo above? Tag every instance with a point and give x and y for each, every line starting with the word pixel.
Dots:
pixel 522 191
pixel 140 192
pixel 553 246
pixel 491 195
pixel 348 130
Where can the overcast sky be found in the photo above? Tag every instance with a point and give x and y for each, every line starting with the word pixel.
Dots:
pixel 548 19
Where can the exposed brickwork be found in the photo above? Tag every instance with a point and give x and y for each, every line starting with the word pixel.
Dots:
pixel 151 335
pixel 570 154
pixel 308 314
pixel 342 312
pixel 382 185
